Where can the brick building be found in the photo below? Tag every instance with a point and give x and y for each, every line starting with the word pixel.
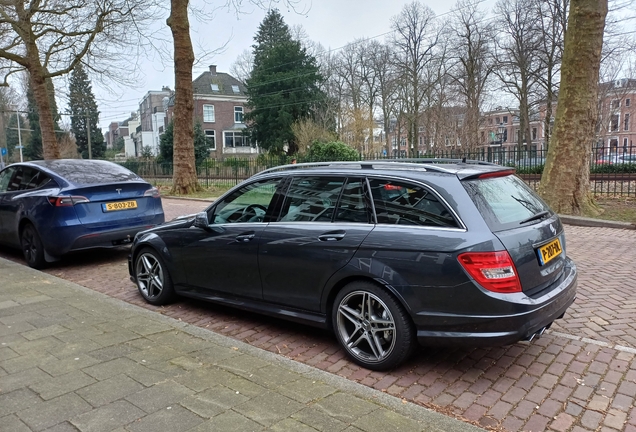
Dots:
pixel 219 104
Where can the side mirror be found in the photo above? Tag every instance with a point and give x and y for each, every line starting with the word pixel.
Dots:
pixel 201 221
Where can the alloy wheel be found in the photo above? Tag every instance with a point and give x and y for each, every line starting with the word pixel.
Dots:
pixel 366 327
pixel 150 276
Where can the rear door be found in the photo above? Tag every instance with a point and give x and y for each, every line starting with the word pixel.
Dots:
pixel 531 232
pixel 14 183
pixel 322 223
pixel 7 186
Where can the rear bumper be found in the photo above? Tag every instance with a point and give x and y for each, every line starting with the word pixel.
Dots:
pixel 78 237
pixel 530 317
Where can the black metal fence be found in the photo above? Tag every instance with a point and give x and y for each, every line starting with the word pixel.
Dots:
pixel 612 170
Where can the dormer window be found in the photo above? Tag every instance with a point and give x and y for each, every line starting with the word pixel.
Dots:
pixel 215 87
pixel 235 89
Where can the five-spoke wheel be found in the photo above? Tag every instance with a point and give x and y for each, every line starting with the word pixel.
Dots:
pixel 372 326
pixel 153 280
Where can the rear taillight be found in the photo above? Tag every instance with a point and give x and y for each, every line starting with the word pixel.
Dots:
pixel 496 174
pixel 152 192
pixel 494 271
pixel 67 201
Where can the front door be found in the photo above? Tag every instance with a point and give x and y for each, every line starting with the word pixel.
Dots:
pixel 224 257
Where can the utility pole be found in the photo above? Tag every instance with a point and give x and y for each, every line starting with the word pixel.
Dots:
pixel 88 135
pixel 19 135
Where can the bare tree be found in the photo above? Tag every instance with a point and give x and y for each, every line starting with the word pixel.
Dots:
pixel 552 19
pixel 242 66
pixel 565 180
pixel 49 38
pixel 351 69
pixel 385 72
pixel 471 55
pixel 415 40
pixel 517 65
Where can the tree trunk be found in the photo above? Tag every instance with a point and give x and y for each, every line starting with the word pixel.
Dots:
pixel 185 175
pixel 50 146
pixel 565 184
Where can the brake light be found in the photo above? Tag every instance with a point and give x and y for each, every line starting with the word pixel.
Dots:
pixel 494 271
pixel 152 192
pixel 67 201
pixel 496 174
pixel 392 187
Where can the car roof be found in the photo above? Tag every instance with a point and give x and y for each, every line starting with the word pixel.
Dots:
pixel 85 171
pixel 462 168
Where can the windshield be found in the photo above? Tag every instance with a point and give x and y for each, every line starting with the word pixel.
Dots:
pixel 504 202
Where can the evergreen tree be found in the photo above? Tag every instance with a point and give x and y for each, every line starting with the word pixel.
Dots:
pixel 283 86
pixel 84 115
pixel 166 144
pixel 33 147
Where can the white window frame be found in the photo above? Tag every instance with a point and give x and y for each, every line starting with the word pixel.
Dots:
pixel 209 116
pixel 626 119
pixel 211 133
pixel 237 110
pixel 234 133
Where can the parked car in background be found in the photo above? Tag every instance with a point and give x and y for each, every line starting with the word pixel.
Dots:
pixel 49 208
pixel 607 159
pixel 627 159
pixel 384 253
pixel 530 162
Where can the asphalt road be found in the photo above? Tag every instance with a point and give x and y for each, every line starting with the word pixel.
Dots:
pixel 580 376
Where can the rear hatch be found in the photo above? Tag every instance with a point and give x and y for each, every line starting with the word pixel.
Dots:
pixel 530 231
pixel 116 204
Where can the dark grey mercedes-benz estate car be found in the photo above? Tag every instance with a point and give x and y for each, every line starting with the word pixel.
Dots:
pixel 387 254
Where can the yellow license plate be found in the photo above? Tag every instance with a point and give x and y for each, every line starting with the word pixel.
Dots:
pixel 121 205
pixel 550 251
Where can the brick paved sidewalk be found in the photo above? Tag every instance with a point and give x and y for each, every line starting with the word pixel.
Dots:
pixel 579 377
pixel 73 359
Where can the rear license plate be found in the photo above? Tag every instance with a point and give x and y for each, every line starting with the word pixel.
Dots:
pixel 120 205
pixel 549 251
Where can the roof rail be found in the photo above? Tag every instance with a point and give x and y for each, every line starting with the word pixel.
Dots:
pixel 431 164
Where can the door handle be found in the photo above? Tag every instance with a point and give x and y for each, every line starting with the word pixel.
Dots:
pixel 332 236
pixel 244 237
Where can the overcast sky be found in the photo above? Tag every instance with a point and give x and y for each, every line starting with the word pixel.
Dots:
pixel 332 23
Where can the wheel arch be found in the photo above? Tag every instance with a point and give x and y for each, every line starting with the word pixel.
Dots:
pixel 155 243
pixel 329 299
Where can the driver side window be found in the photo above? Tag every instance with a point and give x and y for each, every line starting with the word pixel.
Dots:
pixel 248 204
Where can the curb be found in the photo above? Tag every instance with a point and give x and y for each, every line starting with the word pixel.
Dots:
pixel 598 223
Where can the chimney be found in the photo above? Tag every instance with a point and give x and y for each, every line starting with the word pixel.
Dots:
pixel 213 69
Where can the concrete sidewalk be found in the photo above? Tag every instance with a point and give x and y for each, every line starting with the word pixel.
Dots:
pixel 73 359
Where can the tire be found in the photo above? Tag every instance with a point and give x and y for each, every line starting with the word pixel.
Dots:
pixel 32 247
pixel 372 327
pixel 153 280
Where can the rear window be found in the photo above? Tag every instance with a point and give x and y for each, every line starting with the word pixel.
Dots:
pixel 91 172
pixel 504 202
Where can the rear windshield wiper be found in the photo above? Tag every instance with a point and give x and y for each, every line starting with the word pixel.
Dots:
pixel 539 215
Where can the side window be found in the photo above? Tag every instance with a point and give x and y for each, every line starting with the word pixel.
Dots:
pixel 32 179
pixel 5 177
pixel 16 180
pixel 352 206
pixel 399 203
pixel 248 204
pixel 311 199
